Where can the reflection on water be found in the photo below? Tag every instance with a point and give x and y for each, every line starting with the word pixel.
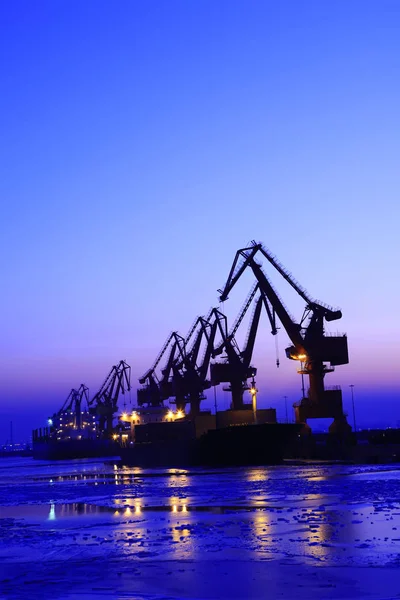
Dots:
pixel 316 513
pixel 261 528
pixel 321 534
pixel 256 475
pixel 319 497
pixel 52 513
pixel 128 508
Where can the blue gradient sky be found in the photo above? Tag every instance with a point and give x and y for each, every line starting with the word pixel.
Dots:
pixel 144 142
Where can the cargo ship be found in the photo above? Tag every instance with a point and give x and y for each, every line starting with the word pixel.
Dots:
pixel 83 428
pixel 367 446
pixel 161 438
pixel 13 450
pixel 64 439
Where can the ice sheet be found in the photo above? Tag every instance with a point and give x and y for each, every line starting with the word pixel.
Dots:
pixel 86 529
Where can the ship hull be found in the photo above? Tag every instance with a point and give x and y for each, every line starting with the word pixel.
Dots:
pixel 67 449
pixel 245 445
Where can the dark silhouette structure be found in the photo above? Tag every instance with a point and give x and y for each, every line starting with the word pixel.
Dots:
pixel 235 369
pixel 310 345
pixel 104 403
pixel 73 403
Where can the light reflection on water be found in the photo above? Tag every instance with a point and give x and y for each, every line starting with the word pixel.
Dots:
pixel 315 513
pixel 262 528
pixel 52 513
pixel 128 507
pixel 257 475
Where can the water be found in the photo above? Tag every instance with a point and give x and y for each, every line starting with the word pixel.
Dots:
pixel 89 529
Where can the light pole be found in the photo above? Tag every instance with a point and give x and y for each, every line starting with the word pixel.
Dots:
pixel 352 402
pixel 301 358
pixel 287 420
pixel 253 392
pixel 302 385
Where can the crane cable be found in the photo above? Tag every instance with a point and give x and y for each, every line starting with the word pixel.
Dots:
pixel 277 351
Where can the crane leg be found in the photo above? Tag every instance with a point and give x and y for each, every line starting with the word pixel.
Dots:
pixel 237 396
pixel 194 406
pixel 329 405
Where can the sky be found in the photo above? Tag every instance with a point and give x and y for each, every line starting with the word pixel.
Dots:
pixel 143 143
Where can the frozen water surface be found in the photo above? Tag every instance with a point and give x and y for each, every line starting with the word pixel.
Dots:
pixel 88 529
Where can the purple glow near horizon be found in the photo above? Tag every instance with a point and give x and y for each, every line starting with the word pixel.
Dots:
pixel 144 144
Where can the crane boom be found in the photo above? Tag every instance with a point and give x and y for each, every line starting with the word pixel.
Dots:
pixel 247 352
pixel 142 380
pixel 293 329
pixel 236 369
pixel 104 402
pixel 69 401
pixel 245 307
pixel 159 388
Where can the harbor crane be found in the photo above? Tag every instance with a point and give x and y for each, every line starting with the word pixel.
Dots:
pixel 73 403
pixel 309 343
pixel 104 403
pixel 68 403
pixel 157 389
pixel 182 378
pixel 236 368
pixel 189 377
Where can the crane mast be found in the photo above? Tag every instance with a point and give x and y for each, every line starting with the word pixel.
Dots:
pixel 81 394
pixel 310 345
